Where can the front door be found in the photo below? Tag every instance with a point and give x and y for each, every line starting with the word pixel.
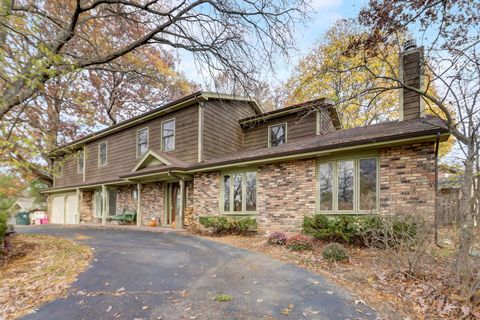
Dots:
pixel 173 199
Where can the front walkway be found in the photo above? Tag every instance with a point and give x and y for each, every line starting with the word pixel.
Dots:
pixel 147 275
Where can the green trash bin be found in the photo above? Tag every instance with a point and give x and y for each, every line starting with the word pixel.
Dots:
pixel 23 218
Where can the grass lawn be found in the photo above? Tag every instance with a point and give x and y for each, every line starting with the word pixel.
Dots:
pixel 38 269
pixel 370 275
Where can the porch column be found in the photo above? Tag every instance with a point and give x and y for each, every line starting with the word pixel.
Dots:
pixel 181 205
pixel 139 204
pixel 104 204
pixel 77 209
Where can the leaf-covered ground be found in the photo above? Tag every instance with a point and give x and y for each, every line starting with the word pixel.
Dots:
pixel 367 274
pixel 38 269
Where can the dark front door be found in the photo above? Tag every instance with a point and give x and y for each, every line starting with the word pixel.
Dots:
pixel 173 200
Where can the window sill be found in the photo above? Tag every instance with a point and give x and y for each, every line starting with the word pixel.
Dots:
pixel 240 213
pixel 348 213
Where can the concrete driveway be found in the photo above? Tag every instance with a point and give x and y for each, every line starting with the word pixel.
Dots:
pixel 144 275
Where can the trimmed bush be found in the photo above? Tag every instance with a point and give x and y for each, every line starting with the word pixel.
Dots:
pixel 277 239
pixel 300 242
pixel 358 230
pixel 227 225
pixel 335 252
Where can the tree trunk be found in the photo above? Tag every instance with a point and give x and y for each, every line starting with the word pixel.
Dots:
pixel 466 222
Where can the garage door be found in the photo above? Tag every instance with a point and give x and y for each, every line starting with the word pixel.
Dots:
pixel 64 208
pixel 58 209
pixel 70 209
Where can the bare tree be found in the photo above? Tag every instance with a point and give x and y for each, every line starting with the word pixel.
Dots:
pixel 40 41
pixel 449 34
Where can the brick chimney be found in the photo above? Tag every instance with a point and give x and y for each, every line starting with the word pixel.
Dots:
pixel 411 73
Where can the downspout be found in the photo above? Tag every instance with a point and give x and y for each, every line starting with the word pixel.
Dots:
pixel 437 145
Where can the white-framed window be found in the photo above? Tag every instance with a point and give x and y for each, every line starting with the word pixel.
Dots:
pixel 142 141
pixel 98 204
pixel 102 154
pixel 81 161
pixel 168 135
pixel 239 192
pixel 277 135
pixel 349 185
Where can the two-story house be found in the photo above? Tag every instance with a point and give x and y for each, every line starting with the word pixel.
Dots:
pixel 212 154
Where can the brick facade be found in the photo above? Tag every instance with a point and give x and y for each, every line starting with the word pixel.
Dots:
pixel 407 179
pixel 206 194
pixel 86 207
pixel 286 191
pixel 152 195
pixel 285 194
pixel 151 200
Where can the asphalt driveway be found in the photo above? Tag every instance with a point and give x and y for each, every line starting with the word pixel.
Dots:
pixel 144 275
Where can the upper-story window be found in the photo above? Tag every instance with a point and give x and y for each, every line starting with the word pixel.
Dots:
pixel 81 161
pixel 142 141
pixel 168 135
pixel 277 135
pixel 348 185
pixel 102 154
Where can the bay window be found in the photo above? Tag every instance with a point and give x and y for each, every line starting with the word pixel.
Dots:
pixel 239 192
pixel 348 185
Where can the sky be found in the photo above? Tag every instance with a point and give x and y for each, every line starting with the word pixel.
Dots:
pixel 326 13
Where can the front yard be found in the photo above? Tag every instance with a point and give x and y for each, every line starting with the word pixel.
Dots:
pixel 37 270
pixel 379 282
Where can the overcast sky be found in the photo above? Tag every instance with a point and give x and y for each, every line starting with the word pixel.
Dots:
pixel 326 13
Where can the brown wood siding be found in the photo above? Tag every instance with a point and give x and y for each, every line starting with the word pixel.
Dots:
pixel 122 149
pixel 69 175
pixel 222 132
pixel 327 122
pixel 298 126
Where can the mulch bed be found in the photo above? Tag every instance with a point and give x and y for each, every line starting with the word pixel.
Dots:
pixel 38 269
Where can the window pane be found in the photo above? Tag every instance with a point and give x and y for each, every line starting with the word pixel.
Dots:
pixel 368 184
pixel 103 153
pixel 277 135
pixel 112 202
pixel 345 185
pixel 326 186
pixel 98 203
pixel 168 143
pixel 142 143
pixel 80 162
pixel 226 193
pixel 237 192
pixel 168 135
pixel 251 191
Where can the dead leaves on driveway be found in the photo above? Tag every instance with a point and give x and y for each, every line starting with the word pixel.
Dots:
pixel 38 269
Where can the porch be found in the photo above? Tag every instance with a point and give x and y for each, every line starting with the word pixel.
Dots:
pixel 159 203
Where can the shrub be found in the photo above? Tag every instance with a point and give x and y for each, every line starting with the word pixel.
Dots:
pixel 356 230
pixel 277 239
pixel 300 242
pixel 335 252
pixel 227 225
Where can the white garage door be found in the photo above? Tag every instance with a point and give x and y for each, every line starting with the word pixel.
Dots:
pixel 58 209
pixel 64 208
pixel 70 209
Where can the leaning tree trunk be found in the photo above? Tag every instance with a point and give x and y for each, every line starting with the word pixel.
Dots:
pixel 466 222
